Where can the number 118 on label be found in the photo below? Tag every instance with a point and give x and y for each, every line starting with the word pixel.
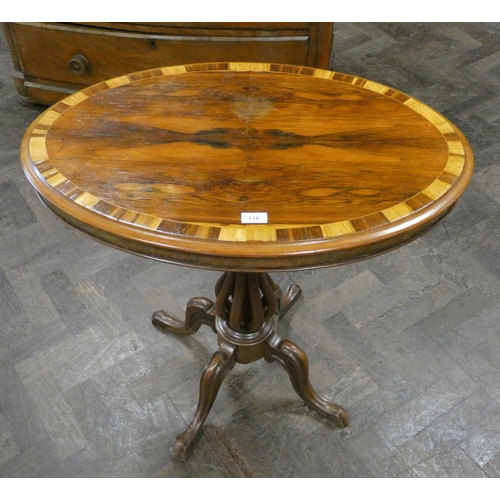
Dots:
pixel 254 217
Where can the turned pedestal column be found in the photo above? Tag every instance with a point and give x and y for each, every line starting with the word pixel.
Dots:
pixel 244 318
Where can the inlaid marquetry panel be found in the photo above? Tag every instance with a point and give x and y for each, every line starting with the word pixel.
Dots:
pixel 178 153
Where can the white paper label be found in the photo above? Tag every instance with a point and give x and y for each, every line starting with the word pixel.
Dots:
pixel 254 217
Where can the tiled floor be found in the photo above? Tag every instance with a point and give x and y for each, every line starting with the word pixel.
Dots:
pixel 408 342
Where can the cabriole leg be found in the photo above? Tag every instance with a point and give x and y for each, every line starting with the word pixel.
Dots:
pixel 222 361
pixel 294 360
pixel 197 314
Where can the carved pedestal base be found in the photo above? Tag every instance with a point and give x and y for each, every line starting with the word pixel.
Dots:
pixel 244 318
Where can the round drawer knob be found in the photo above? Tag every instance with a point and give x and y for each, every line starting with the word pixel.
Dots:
pixel 78 64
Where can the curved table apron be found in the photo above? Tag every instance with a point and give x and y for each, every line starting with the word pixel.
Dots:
pixel 246 168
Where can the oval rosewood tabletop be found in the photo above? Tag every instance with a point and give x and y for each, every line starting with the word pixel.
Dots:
pixel 163 163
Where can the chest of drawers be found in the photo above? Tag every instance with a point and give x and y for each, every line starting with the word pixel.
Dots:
pixel 52 60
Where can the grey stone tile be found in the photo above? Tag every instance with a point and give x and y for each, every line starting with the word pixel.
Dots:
pixel 380 461
pixel 56 415
pixel 480 361
pixel 71 309
pixel 448 317
pixel 35 301
pixel 25 427
pixel 15 213
pixel 32 462
pixel 454 464
pixel 344 296
pixel 446 368
pixel 406 421
pixel 484 444
pixel 8 448
pixel 11 306
pixel 459 424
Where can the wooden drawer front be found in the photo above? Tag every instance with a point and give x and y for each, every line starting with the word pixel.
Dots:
pixel 46 53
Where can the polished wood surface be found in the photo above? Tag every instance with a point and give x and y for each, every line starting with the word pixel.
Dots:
pixel 165 163
pixel 244 318
pixel 53 60
pixel 162 163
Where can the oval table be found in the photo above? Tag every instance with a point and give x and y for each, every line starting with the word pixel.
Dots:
pixel 246 168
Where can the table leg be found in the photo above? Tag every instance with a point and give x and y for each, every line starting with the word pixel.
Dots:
pixel 244 317
pixel 197 314
pixel 222 361
pixel 294 360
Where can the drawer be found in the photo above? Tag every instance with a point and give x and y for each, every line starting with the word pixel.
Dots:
pixel 71 56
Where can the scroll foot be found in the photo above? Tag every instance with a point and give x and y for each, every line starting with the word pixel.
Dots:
pixel 294 360
pixel 211 380
pixel 196 315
